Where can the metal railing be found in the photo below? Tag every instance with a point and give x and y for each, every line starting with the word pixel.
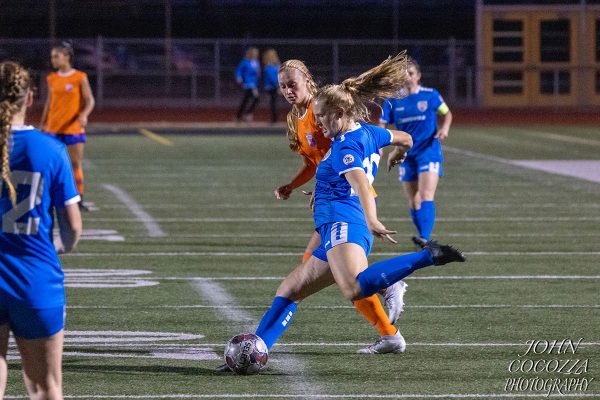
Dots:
pixel 195 72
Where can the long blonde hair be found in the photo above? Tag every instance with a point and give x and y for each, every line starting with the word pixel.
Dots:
pixel 294 114
pixel 270 57
pixel 354 94
pixel 15 83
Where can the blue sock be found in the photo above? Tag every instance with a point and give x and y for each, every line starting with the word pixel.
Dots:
pixel 414 215
pixel 426 217
pixel 276 320
pixel 387 272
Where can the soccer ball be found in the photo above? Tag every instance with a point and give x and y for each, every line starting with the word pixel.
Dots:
pixel 246 354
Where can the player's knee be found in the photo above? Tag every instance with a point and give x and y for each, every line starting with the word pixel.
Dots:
pixel 351 292
pixel 289 290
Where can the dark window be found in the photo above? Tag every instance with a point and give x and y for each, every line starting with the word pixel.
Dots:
pixel 508 41
pixel 597 82
pixel 555 40
pixel 503 25
pixel 552 82
pixel 508 82
pixel 598 40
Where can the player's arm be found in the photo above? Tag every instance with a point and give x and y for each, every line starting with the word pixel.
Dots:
pixel 88 100
pixel 361 186
pixel 44 120
pixel 305 174
pixel 70 226
pixel 402 142
pixel 446 116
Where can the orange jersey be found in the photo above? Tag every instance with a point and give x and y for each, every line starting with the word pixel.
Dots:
pixel 313 144
pixel 66 101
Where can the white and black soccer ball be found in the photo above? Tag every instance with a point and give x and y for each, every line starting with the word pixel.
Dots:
pixel 246 354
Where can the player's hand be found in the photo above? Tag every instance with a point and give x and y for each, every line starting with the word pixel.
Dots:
pixel 442 134
pixel 311 202
pixel 380 231
pixel 82 120
pixel 395 157
pixel 283 192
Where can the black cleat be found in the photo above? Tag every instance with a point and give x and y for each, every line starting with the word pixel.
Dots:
pixel 224 368
pixel 419 242
pixel 443 253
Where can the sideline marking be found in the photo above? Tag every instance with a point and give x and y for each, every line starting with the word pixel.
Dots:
pixel 386 219
pixel 289 254
pixel 107 278
pixel 261 307
pixel 155 137
pixel 140 215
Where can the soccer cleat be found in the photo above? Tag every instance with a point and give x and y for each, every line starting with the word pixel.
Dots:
pixel 443 253
pixel 394 300
pixel 419 241
pixel 386 344
pixel 223 368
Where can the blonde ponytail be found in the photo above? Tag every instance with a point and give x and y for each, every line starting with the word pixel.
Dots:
pixel 15 83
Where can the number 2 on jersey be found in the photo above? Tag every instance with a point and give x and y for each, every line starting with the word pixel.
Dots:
pixel 36 188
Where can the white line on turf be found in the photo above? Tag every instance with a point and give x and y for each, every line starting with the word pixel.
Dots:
pixel 425 278
pixel 330 396
pixel 334 307
pixel 140 215
pixel 295 254
pixel 523 219
pixel 216 295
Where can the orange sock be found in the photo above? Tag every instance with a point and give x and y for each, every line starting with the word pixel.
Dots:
pixel 372 310
pixel 78 173
pixel 306 256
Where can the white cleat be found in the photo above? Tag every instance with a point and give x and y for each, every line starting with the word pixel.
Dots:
pixel 386 344
pixel 394 300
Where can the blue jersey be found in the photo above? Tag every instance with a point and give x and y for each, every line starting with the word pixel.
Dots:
pixel 416 114
pixel 249 72
pixel 30 271
pixel 271 80
pixel 335 201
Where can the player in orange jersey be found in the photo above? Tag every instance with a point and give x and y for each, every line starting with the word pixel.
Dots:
pixel 68 106
pixel 306 139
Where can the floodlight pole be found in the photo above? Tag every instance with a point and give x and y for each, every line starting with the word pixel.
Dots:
pixel 479 53
pixel 168 45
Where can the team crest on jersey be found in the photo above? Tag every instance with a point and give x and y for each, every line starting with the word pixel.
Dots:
pixel 69 87
pixel 311 140
pixel 422 105
pixel 348 159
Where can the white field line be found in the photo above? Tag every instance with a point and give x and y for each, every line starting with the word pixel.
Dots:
pixel 542 395
pixel 307 220
pixel 295 254
pixel 445 234
pixel 561 138
pixel 140 215
pixel 216 295
pixel 424 278
pixel 338 307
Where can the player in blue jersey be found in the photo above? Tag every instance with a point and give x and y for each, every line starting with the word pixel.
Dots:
pixel 270 78
pixel 247 74
pixel 36 179
pixel 416 112
pixel 344 207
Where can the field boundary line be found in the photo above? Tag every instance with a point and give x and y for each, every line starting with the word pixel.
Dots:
pixel 297 253
pixel 337 307
pixel 142 216
pixel 155 137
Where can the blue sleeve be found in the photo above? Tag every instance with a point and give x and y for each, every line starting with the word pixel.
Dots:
pixel 346 158
pixel 436 100
pixel 239 70
pixel 387 116
pixel 383 137
pixel 62 189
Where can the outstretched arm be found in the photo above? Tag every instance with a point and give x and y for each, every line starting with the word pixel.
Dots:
pixel 305 174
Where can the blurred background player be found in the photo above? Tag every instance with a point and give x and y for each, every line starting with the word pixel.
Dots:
pixel 247 74
pixel 271 66
pixel 416 112
pixel 68 106
pixel 36 177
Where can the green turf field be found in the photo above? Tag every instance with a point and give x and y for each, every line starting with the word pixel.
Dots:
pixel 145 321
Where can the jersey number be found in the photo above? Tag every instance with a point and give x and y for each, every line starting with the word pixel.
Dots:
pixel 36 189
pixel 368 164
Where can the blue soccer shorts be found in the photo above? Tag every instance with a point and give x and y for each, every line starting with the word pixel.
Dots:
pixel 31 323
pixel 69 139
pixel 427 160
pixel 336 233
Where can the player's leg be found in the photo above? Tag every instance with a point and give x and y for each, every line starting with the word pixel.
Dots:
pixel 41 361
pixel 408 174
pixel 273 94
pixel 242 110
pixel 253 103
pixel 313 243
pixel 4 334
pixel 76 155
pixel 428 182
